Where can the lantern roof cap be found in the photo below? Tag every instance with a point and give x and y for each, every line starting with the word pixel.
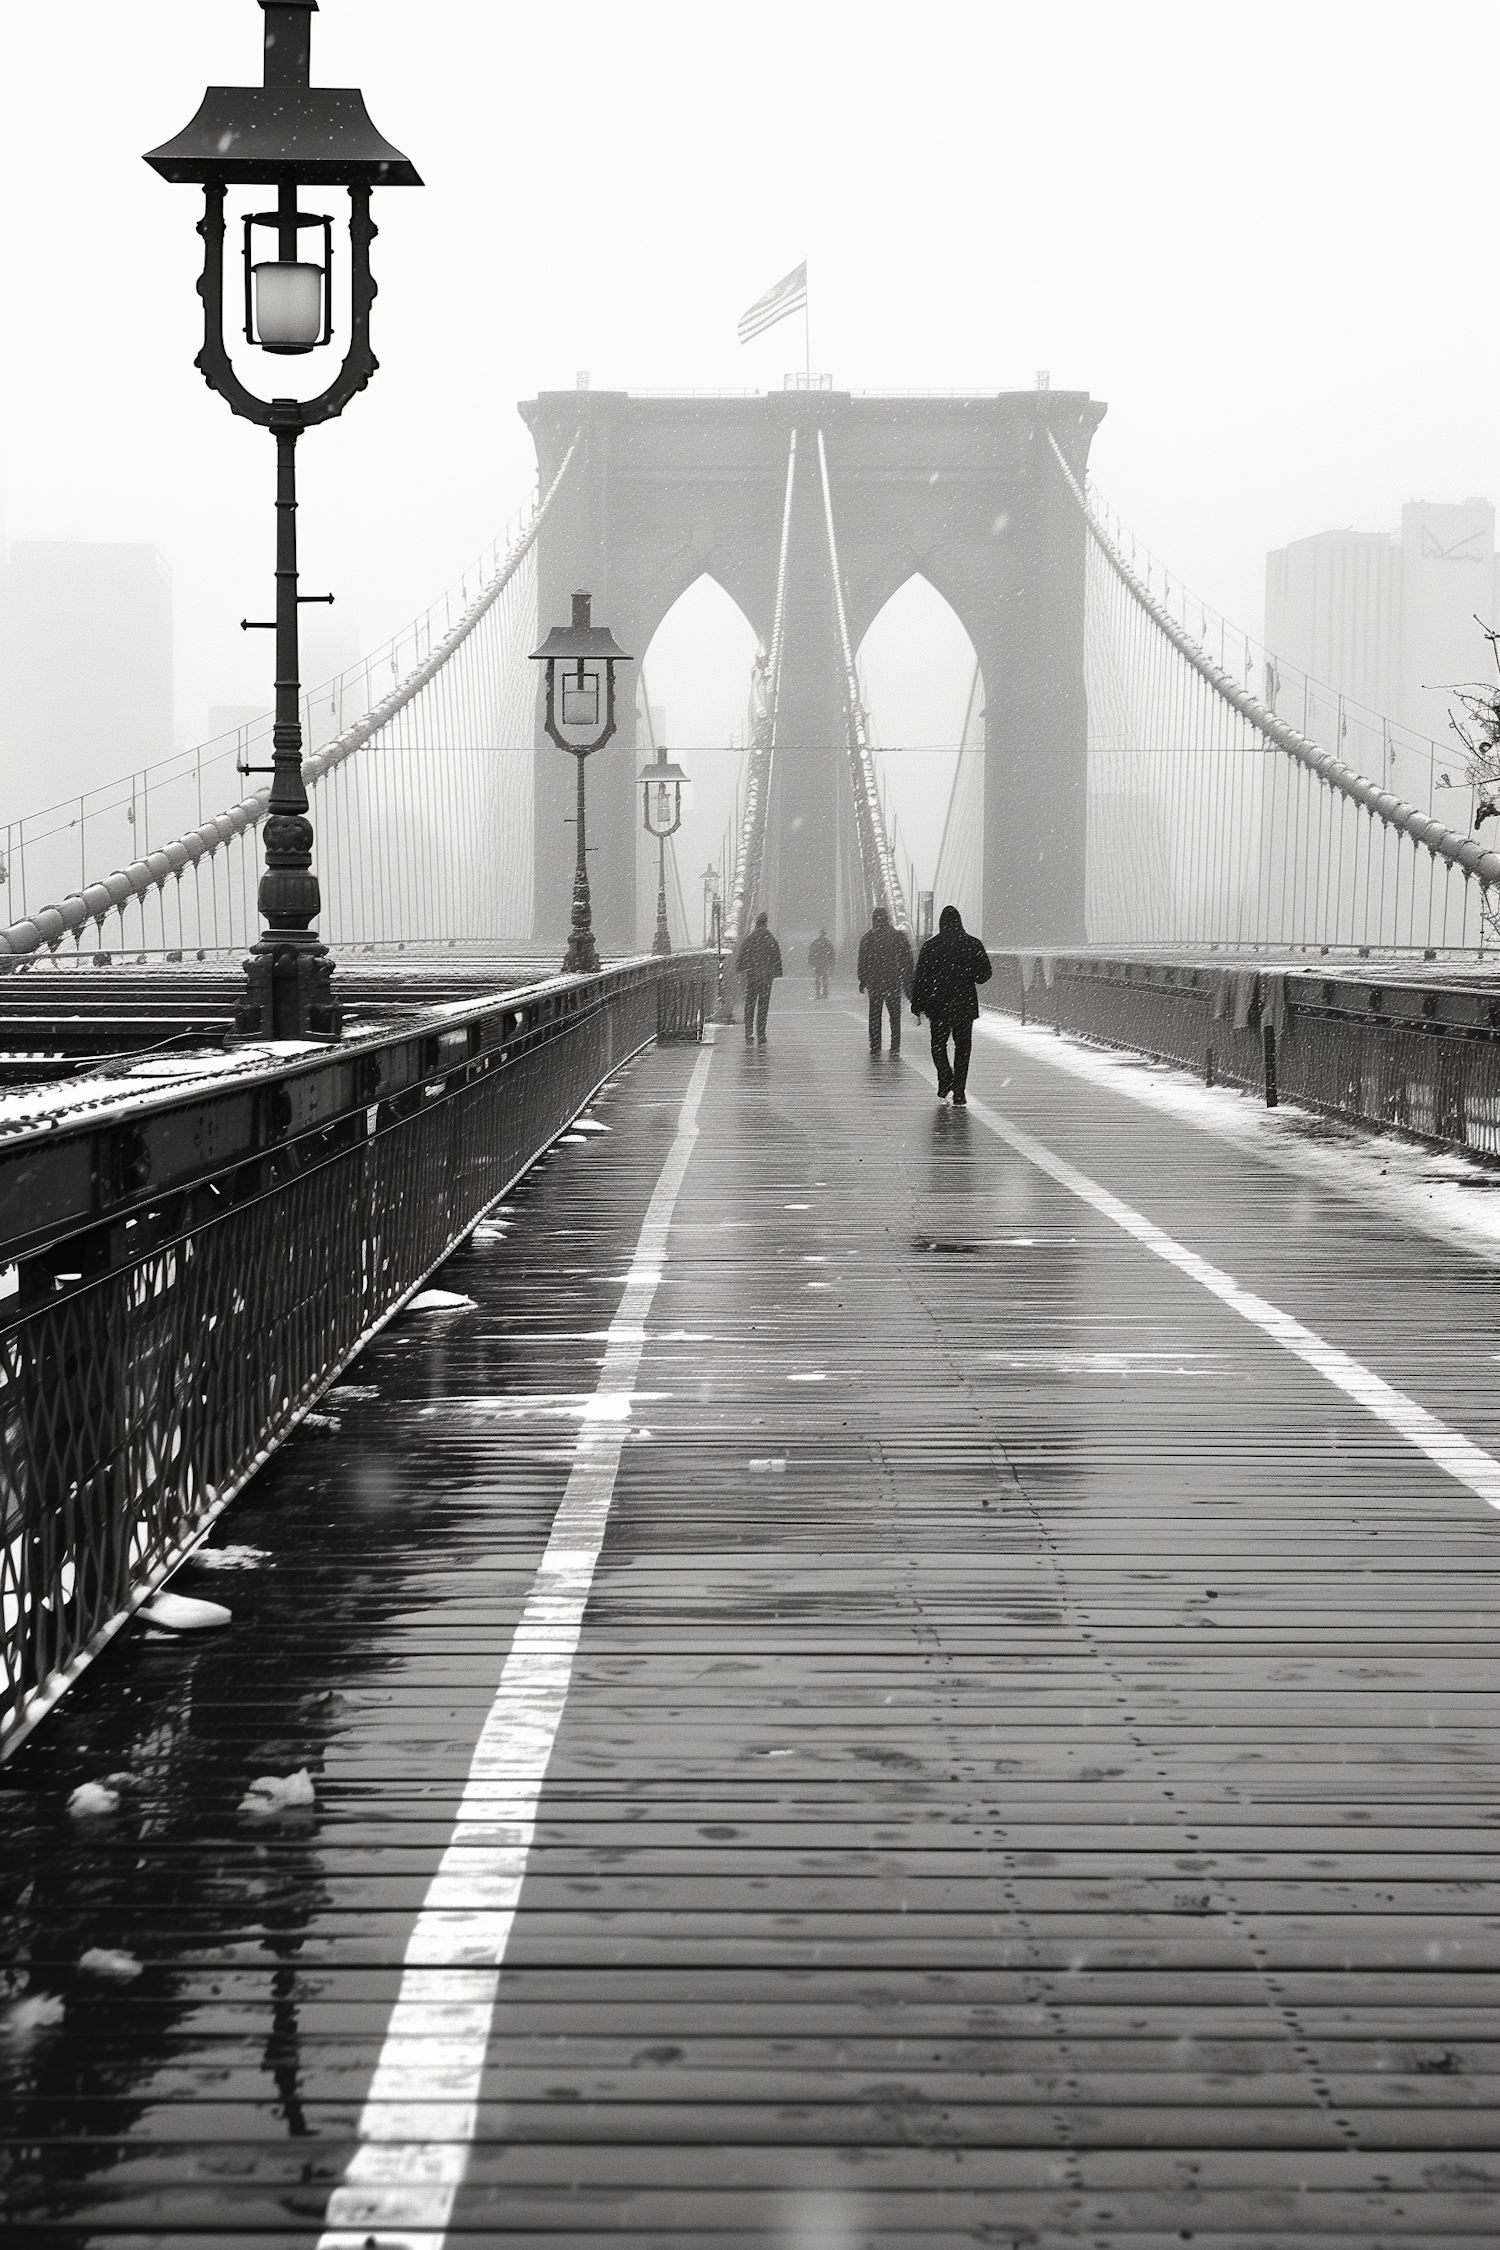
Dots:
pixel 579 641
pixel 660 768
pixel 283 135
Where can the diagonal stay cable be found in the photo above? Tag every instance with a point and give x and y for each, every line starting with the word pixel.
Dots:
pixel 750 853
pixel 1461 852
pixel 879 861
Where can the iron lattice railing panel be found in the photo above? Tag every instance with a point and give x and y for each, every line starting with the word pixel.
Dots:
pixel 134 1405
pixel 1423 1059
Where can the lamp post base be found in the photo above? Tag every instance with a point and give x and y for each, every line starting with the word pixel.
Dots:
pixel 582 956
pixel 288 992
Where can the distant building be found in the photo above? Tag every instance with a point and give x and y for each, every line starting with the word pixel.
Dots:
pixel 1384 619
pixel 1333 614
pixel 86 686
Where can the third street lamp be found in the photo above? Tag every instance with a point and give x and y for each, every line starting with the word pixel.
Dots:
pixel 579 716
pixel 664 789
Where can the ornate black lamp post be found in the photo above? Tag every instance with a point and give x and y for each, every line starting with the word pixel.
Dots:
pixel 664 789
pixel 579 716
pixel 286 134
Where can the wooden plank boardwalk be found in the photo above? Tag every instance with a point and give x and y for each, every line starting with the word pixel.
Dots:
pixel 1026 1774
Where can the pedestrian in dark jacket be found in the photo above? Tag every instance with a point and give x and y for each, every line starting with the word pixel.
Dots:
pixel 885 972
pixel 950 968
pixel 759 963
pixel 821 959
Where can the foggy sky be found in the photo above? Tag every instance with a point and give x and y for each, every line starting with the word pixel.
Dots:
pixel 1264 234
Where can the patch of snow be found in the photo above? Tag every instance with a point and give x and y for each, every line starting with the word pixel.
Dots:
pixel 184 1066
pixel 765 1468
pixel 184 1613
pixel 274 1793
pixel 440 1300
pixel 229 1558
pixel 104 1961
pixel 34 2013
pixel 93 1800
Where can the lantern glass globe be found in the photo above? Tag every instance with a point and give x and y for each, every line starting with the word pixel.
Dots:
pixel 288 305
pixel 580 698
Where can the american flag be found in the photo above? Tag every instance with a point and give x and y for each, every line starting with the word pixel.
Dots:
pixel 788 296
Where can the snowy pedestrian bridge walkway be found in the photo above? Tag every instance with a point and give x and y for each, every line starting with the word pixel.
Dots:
pixel 888 1675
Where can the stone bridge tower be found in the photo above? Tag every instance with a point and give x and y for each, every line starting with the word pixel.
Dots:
pixel 963 491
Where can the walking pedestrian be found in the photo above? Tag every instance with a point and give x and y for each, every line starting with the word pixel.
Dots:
pixel 885 973
pixel 950 969
pixel 821 959
pixel 759 963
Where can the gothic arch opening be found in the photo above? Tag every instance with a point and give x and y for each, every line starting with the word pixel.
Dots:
pixel 920 680
pixel 693 694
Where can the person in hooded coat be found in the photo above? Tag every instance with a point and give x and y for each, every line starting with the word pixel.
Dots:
pixel 885 972
pixel 758 962
pixel 821 959
pixel 950 969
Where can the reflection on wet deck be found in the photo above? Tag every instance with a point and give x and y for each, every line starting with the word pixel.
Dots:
pixel 1027 1770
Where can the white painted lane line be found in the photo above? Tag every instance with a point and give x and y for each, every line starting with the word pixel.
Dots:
pixel 1448 1448
pixel 418 2123
pixel 1400 1181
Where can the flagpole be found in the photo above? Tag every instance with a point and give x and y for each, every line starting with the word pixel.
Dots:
pixel 807 334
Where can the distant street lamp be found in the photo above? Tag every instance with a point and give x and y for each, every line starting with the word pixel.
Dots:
pixel 664 790
pixel 579 716
pixel 713 934
pixel 286 134
pixel 710 882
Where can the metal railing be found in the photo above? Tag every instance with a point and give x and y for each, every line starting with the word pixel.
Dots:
pixel 1390 1050
pixel 184 1270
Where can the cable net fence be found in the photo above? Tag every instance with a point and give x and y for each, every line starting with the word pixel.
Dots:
pixel 866 863
pixel 1218 816
pixel 419 767
pixel 958 876
pixel 748 878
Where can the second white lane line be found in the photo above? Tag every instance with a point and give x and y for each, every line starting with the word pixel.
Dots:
pixel 418 2122
pixel 1447 1448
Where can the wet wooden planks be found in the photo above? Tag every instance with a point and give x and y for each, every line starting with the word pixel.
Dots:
pixel 1029 1771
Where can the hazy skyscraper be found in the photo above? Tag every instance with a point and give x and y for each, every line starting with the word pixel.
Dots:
pixel 1387 619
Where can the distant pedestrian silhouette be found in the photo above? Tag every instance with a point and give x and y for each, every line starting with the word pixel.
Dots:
pixel 885 972
pixel 950 969
pixel 759 963
pixel 821 959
